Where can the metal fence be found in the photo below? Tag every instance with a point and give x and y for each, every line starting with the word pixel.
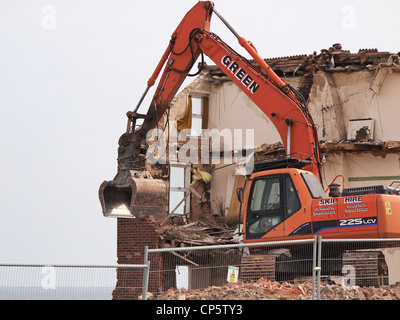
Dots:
pixel 201 267
pixel 358 262
pixel 67 281
pixel 346 262
pixel 350 262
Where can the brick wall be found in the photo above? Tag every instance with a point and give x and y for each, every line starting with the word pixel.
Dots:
pixel 132 236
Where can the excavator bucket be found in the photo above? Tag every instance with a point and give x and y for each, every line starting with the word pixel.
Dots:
pixel 132 194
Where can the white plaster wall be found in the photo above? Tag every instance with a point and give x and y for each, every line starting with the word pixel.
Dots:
pixel 385 109
pixel 339 97
pixel 222 186
pixel 361 165
pixel 392 257
pixel 231 109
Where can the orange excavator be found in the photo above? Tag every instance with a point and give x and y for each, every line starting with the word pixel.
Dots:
pixel 285 199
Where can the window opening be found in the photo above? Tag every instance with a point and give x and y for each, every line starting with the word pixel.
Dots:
pixel 179 182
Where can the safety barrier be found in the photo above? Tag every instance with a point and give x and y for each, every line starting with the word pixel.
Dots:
pixel 65 281
pixel 358 262
pixel 347 262
pixel 204 266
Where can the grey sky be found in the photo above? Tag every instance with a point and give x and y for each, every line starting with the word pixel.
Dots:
pixel 66 84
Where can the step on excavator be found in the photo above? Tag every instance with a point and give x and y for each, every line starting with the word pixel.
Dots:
pixel 284 199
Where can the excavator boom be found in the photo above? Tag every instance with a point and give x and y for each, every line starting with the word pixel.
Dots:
pixel 133 191
pixel 288 114
pixel 127 195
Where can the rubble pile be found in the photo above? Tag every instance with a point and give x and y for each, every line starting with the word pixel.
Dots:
pixel 338 292
pixel 196 234
pixel 269 290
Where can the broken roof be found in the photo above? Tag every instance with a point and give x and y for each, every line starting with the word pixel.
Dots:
pixel 334 59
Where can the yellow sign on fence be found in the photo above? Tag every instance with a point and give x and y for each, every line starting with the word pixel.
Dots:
pixel 233 274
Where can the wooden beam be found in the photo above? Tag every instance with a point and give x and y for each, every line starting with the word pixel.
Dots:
pixel 183 258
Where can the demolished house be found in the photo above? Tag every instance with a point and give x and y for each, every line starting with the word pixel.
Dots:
pixel 352 98
pixel 212 131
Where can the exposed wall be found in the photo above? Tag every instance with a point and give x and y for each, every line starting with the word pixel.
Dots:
pixel 132 236
pixel 335 98
pixel 362 169
pixel 385 107
pixel 231 109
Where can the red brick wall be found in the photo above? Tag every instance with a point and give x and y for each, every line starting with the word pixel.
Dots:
pixel 132 237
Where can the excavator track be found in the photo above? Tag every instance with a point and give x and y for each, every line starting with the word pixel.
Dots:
pixel 255 267
pixel 370 267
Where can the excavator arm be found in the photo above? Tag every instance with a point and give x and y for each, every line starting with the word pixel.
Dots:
pixel 133 192
pixel 178 59
pixel 277 99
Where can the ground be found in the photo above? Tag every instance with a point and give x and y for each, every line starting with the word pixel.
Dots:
pixel 268 290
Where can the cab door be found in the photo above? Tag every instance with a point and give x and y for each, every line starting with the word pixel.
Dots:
pixel 272 200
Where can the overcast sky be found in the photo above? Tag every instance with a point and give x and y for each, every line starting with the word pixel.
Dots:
pixel 70 70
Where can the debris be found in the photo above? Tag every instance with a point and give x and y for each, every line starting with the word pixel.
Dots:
pixel 150 296
pixel 183 258
pixel 271 290
pixel 201 175
pixel 197 233
pixel 331 60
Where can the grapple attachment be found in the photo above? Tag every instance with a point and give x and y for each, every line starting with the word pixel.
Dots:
pixel 131 194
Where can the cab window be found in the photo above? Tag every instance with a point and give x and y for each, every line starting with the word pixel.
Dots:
pixel 292 198
pixel 314 186
pixel 272 200
pixel 266 195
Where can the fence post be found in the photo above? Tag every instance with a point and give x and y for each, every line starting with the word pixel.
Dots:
pixel 314 266
pixel 319 268
pixel 146 272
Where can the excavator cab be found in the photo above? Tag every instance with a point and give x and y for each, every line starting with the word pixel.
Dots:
pixel 273 199
pixel 131 194
pixel 278 202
